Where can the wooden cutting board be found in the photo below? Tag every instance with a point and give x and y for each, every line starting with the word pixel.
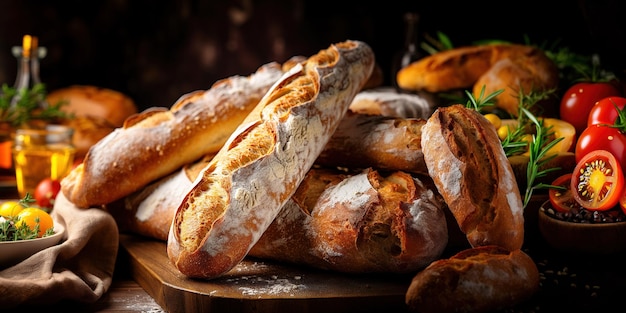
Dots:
pixel 259 285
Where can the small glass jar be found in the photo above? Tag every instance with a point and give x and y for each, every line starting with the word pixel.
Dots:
pixel 41 153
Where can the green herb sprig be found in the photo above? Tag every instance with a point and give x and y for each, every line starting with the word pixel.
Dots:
pixel 482 101
pixel 28 106
pixel 537 156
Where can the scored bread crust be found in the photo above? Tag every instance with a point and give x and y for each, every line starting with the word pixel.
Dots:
pixel 512 67
pixel 158 141
pixel 245 185
pixel 378 141
pixel 482 279
pixel 358 223
pixel 466 161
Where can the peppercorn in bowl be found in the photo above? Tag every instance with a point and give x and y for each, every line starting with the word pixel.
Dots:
pixel 583 231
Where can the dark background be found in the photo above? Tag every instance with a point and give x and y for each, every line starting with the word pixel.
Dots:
pixel 156 51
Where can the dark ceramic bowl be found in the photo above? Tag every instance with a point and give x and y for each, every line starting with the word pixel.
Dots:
pixel 599 238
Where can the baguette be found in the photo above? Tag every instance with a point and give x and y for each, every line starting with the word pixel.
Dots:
pixel 483 279
pixel 245 185
pixel 465 159
pixel 159 141
pixel 360 223
pixel 363 141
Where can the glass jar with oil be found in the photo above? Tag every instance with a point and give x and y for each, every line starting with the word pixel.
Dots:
pixel 40 153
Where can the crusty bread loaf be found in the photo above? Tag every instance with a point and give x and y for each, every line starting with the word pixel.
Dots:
pixel 378 141
pixel 511 67
pixel 358 223
pixel 527 72
pixel 483 279
pixel 157 142
pixel 96 102
pixel 245 185
pixel 388 102
pixel 466 161
pixel 95 112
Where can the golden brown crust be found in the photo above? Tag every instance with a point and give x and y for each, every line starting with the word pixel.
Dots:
pixel 496 66
pixel 483 279
pixel 156 142
pixel 244 187
pixel 382 142
pixel 358 223
pixel 465 158
pixel 448 69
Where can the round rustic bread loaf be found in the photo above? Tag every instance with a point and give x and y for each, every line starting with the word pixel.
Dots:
pixel 97 112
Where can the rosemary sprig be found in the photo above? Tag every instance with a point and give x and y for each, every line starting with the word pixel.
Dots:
pixel 538 157
pixel 482 101
pixel 513 143
pixel 20 106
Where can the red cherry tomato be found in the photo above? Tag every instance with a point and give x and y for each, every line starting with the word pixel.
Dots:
pixel 578 100
pixel 562 200
pixel 46 192
pixel 597 181
pixel 602 137
pixel 604 111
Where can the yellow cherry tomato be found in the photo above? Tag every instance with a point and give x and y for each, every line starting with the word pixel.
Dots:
pixel 494 120
pixel 503 131
pixel 32 216
pixel 10 209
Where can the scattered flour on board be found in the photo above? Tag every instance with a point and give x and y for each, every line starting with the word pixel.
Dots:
pixel 267 284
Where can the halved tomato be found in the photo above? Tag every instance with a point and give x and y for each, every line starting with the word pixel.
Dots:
pixel 597 181
pixel 562 199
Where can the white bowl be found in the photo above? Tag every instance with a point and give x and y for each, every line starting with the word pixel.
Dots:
pixel 13 252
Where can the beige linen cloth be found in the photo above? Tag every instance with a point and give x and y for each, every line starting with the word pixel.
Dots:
pixel 79 268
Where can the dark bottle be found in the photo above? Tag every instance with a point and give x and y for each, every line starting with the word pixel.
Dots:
pixel 410 52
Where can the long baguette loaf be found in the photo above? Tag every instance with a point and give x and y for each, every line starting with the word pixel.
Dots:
pixel 358 223
pixel 377 141
pixel 243 188
pixel 156 142
pixel 483 279
pixel 465 159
